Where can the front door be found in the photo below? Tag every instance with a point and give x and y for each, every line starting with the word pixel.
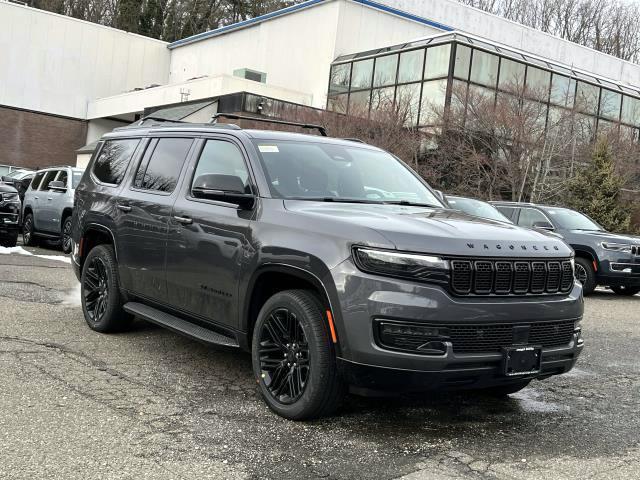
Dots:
pixel 209 241
pixel 142 217
pixel 43 210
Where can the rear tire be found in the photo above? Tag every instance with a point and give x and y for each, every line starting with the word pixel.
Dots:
pixel 504 390
pixel 294 358
pixel 626 291
pixel 9 241
pixel 65 239
pixel 100 292
pixel 586 275
pixel 28 231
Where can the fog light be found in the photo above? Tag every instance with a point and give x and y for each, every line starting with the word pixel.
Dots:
pixel 423 339
pixel 578 331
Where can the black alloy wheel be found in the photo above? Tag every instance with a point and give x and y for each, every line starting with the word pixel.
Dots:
pixel 66 235
pixel 586 275
pixel 96 289
pixel 284 356
pixel 27 231
pixel 581 274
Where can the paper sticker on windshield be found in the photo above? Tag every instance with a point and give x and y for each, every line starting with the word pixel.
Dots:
pixel 268 148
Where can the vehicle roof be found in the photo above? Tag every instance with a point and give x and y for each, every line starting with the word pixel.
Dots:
pixel 526 204
pixel 466 198
pixel 60 167
pixel 257 134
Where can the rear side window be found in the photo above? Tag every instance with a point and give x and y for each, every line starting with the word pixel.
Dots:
pixel 160 167
pixel 113 160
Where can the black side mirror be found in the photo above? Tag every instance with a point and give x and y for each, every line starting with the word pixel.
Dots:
pixel 223 188
pixel 543 226
pixel 58 186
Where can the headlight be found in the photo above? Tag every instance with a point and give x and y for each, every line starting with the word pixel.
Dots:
pixel 616 247
pixel 9 196
pixel 398 264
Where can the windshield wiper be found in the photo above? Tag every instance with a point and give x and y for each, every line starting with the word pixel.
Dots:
pixel 412 204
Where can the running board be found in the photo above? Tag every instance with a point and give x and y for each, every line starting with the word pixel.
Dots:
pixel 179 325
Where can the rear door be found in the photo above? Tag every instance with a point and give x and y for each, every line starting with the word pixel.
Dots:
pixel 42 212
pixel 142 218
pixel 55 203
pixel 209 241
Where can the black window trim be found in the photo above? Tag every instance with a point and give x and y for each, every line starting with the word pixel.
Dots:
pixel 193 166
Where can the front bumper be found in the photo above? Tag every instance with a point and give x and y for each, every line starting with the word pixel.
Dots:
pixel 365 298
pixel 9 218
pixel 617 269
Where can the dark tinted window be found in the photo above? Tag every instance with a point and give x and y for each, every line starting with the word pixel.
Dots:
pixel 222 158
pixel 161 164
pixel 36 180
pixel 113 160
pixel 49 177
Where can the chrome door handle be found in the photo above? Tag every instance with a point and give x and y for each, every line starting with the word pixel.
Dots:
pixel 50 199
pixel 184 220
pixel 36 198
pixel 124 208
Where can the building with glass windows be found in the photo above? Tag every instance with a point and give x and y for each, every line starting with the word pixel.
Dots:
pixel 65 82
pixel 432 72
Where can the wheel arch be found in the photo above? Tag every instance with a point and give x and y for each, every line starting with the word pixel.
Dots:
pixel 93 235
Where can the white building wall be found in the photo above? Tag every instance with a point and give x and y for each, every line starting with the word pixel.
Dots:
pixel 492 27
pixel 56 64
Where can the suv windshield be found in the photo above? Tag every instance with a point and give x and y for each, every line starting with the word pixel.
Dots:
pixel 571 220
pixel 331 172
pixel 477 208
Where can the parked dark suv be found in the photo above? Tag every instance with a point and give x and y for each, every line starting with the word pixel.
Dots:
pixel 602 258
pixel 330 260
pixel 9 215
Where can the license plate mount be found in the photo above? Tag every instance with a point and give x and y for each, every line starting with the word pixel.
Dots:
pixel 525 360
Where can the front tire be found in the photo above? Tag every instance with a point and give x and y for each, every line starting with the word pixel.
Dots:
pixel 100 292
pixel 294 359
pixel 28 231
pixel 586 275
pixel 626 291
pixel 65 239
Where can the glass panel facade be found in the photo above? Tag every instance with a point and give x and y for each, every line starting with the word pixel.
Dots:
pixel 563 90
pixel 438 60
pixel 511 75
pixel 484 68
pixel 434 94
pixel 610 104
pixel 463 61
pixel 362 74
pixel 408 102
pixel 411 64
pixel 386 68
pixel 631 110
pixel 538 81
pixel 340 78
pixel 359 103
pixel 382 98
pixel 587 97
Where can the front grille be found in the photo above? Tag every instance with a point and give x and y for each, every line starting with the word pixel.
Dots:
pixel 506 277
pixel 492 338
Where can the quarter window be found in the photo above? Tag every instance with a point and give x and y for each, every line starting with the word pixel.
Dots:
pixel 219 157
pixel 113 160
pixel 161 165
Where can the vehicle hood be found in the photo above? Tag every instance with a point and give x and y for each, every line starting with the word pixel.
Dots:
pixel 438 231
pixel 6 188
pixel 598 236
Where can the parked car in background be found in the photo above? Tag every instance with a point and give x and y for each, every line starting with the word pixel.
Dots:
pixel 48 205
pixel 20 180
pixel 329 260
pixel 476 207
pixel 9 215
pixel 6 169
pixel 602 258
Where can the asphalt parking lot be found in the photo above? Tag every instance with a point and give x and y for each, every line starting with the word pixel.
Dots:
pixel 151 404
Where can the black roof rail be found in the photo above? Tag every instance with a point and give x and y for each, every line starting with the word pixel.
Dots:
pixel 157 119
pixel 233 116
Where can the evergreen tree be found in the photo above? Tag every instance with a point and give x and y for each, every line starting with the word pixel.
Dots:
pixel 595 191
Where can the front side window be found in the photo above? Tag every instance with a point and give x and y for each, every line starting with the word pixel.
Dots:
pixel 529 216
pixel 49 177
pixel 63 176
pixel 113 160
pixel 161 164
pixel 330 172
pixel 220 157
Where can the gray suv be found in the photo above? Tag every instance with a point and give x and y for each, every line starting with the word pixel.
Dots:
pixel 48 205
pixel 602 258
pixel 330 260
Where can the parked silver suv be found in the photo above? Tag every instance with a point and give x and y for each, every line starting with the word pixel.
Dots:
pixel 48 205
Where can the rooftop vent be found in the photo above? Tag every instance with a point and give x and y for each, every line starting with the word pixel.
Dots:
pixel 249 74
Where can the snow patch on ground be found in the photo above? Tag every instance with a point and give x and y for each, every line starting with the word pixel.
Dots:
pixel 22 251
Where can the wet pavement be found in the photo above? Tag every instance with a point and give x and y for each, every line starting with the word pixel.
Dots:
pixel 151 404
